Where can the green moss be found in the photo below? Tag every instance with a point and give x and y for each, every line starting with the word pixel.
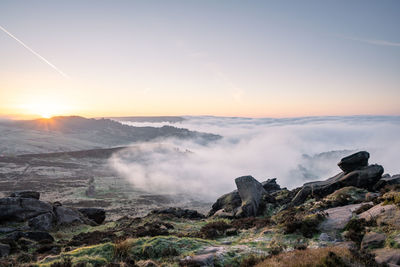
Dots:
pixel 164 246
pixel 98 254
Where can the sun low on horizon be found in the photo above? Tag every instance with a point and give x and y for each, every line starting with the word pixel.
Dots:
pixel 224 58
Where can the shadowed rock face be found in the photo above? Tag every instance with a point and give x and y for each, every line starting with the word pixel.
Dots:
pixel 250 191
pixel 354 161
pixel 366 178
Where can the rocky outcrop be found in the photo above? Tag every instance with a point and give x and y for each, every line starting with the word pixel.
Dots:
pixel 26 194
pixel 25 206
pixel 354 162
pixel 250 192
pixel 95 214
pixel 366 177
pixel 21 209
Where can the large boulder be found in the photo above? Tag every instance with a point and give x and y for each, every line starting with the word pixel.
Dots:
pixel 42 222
pixel 95 214
pixel 66 216
pixel 387 256
pixel 338 217
pixel 354 162
pixel 373 240
pixel 250 192
pixel 26 194
pixel 22 209
pixel 365 177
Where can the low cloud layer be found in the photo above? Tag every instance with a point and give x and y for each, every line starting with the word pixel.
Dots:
pixel 288 149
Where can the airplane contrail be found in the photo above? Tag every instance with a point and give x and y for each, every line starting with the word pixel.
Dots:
pixel 35 53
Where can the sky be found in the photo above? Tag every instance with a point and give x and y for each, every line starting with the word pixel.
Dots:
pixel 223 58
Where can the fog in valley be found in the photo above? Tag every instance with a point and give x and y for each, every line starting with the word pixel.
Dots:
pixel 293 150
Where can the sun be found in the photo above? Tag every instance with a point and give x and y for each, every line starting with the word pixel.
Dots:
pixel 45 109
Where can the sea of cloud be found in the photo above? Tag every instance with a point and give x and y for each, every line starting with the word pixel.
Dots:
pixel 294 150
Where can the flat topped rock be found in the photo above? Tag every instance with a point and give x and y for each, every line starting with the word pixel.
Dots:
pixel 26 194
pixel 354 161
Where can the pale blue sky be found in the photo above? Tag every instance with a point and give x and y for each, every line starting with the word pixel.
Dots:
pixel 236 58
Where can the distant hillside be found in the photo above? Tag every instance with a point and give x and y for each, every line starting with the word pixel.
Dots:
pixel 171 119
pixel 78 133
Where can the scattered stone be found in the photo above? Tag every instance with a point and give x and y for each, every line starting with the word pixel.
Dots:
pixel 26 194
pixel 95 214
pixel 250 192
pixel 42 222
pixel 373 240
pixel 4 250
pixel 354 161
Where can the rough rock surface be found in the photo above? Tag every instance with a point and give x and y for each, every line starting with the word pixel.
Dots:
pixel 250 191
pixel 180 213
pixel 95 214
pixel 376 211
pixel 67 216
pixel 26 194
pixel 227 203
pixel 42 222
pixel 4 250
pixel 338 217
pixel 21 209
pixel 354 161
pixel 388 256
pixel 363 178
pixel 270 185
pixel 373 240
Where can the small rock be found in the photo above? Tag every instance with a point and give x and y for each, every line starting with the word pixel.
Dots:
pixel 38 236
pixel 147 263
pixel 373 240
pixel 95 214
pixel 199 260
pixel 26 194
pixel 4 250
pixel 324 237
pixel 354 161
